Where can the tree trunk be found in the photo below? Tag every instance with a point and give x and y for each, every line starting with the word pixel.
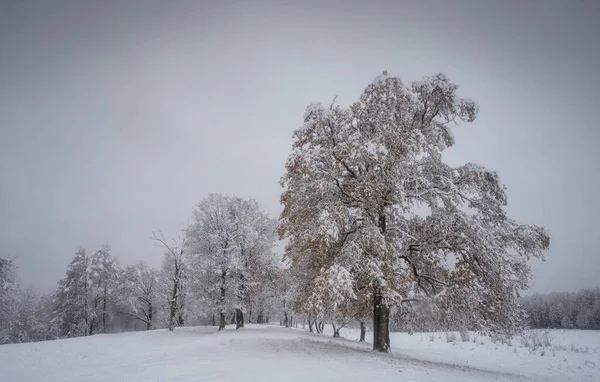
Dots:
pixel 310 326
pixel 239 320
pixel 336 331
pixel 222 321
pixel 285 319
pixel 173 306
pixel 150 313
pixel 91 331
pixel 381 323
pixel 104 307
pixel 214 321
pixel 321 326
pixel 363 331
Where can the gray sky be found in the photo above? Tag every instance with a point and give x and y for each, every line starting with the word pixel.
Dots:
pixel 116 117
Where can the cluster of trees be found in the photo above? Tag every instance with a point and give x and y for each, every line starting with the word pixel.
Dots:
pixel 223 266
pixel 379 231
pixel 578 310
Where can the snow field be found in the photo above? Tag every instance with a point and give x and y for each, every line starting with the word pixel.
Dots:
pixel 270 353
pixel 564 355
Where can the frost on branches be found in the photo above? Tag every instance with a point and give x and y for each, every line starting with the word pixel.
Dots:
pixel 230 243
pixel 374 215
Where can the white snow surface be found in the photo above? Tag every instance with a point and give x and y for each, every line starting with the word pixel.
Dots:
pixel 270 353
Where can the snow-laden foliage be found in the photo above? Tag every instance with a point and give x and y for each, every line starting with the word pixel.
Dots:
pixel 137 293
pixel 104 271
pixel 73 308
pixel 84 296
pixel 578 310
pixel 356 186
pixel 8 294
pixel 230 243
pixel 173 278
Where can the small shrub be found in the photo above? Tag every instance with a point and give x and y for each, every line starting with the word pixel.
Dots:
pixel 464 336
pixel 450 336
pixel 536 339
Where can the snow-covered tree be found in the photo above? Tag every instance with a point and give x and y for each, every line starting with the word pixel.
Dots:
pixel 137 293
pixel 104 271
pixel 8 295
pixel 578 310
pixel 230 240
pixel 29 322
pixel 173 276
pixel 381 218
pixel 73 310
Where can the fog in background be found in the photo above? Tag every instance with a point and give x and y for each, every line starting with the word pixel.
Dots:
pixel 117 117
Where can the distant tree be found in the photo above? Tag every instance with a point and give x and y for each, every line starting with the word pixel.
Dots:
pixel 104 271
pixel 29 323
pixel 8 298
pixel 73 309
pixel 230 240
pixel 173 275
pixel 138 293
pixel 578 310
pixel 371 207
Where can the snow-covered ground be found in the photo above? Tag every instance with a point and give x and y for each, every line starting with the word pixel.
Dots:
pixel 261 353
pixel 546 355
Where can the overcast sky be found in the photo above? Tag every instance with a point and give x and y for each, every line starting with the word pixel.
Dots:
pixel 117 117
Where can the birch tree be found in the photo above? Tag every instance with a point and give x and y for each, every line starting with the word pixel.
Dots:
pixel 368 199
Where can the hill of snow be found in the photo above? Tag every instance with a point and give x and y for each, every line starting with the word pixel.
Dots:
pixel 266 353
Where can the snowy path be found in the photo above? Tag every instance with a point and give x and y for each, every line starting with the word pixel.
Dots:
pixel 201 354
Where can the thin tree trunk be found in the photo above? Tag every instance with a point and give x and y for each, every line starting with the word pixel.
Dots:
pixel 363 331
pixel 239 320
pixel 173 306
pixel 91 332
pixel 310 326
pixel 222 300
pixel 381 328
pixel 150 314
pixel 214 322
pixel 336 331
pixel 104 308
pixel 222 321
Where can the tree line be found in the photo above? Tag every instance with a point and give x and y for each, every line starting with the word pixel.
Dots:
pixel 576 310
pixel 380 231
pixel 222 269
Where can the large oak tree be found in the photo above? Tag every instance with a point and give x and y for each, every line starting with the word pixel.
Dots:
pixel 372 213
